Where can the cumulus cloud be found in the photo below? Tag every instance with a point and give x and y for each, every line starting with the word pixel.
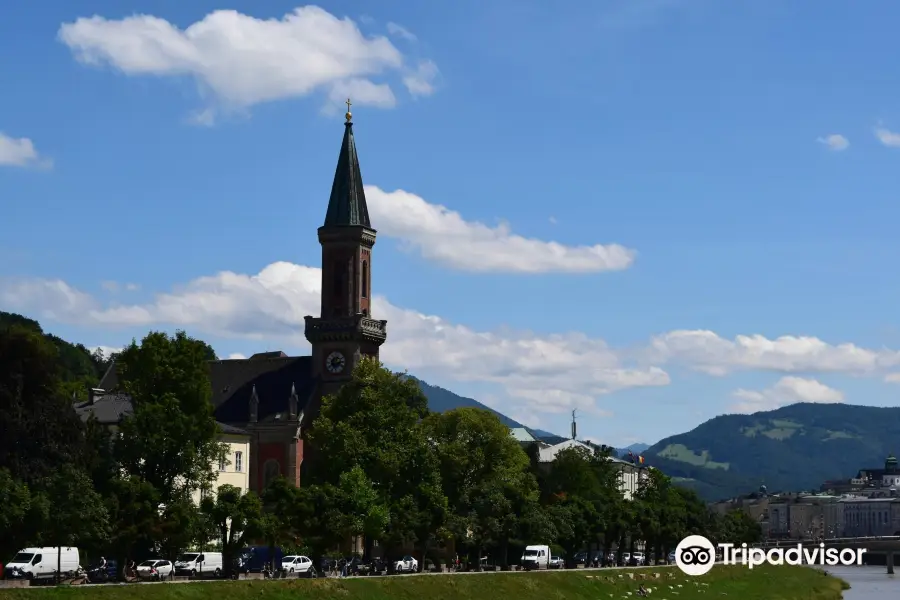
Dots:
pixel 420 81
pixel 787 390
pixel 242 60
pixel 401 32
pixel 106 350
pixel 549 373
pixel 20 152
pixel 887 137
pixel 708 352
pixel 442 235
pixel 835 142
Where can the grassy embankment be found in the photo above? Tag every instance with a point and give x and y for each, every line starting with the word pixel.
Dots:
pixel 738 583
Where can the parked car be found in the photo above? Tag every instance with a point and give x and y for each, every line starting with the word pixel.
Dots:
pixel 407 564
pixel 556 562
pixel 637 559
pixel 302 566
pixel 157 570
pixel 581 558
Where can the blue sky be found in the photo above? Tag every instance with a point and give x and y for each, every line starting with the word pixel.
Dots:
pixel 717 180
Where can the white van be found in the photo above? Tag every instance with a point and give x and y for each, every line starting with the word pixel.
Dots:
pixel 40 563
pixel 536 557
pixel 197 563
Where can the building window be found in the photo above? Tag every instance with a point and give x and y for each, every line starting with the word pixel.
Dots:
pixel 222 464
pixel 238 461
pixel 365 279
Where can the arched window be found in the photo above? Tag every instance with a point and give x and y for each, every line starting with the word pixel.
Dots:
pixel 271 470
pixel 365 279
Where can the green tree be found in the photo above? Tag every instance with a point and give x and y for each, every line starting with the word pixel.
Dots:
pixel 280 523
pixel 21 514
pixel 374 422
pixel 361 510
pixel 78 516
pixel 236 516
pixel 171 440
pixel 133 508
pixel 485 474
pixel 41 432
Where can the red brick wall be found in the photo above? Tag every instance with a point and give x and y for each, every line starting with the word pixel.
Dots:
pixel 299 462
pixel 267 452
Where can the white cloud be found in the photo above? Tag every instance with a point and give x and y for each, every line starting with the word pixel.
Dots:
pixel 442 235
pixel 20 152
pixel 242 60
pixel 114 286
pixel 707 352
pixel 401 32
pixel 420 81
pixel 892 378
pixel 106 350
pixel 788 390
pixel 549 373
pixel 835 142
pixel 887 137
pixel 236 356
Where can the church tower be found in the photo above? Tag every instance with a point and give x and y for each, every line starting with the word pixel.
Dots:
pixel 345 331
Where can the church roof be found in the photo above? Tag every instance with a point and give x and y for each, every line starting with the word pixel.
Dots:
pixel 347 205
pixel 233 381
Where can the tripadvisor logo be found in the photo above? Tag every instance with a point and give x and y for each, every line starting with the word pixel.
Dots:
pixel 696 555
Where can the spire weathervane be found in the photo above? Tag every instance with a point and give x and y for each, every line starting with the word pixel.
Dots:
pixel 349 115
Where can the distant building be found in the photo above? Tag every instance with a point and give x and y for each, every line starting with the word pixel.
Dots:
pixel 630 475
pixel 110 409
pixel 871 516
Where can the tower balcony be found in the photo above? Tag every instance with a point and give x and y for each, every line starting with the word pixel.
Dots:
pixel 341 329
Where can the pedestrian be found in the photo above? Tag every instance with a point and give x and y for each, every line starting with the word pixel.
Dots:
pixel 343 565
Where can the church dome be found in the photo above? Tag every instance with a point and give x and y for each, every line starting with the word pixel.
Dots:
pixel 890 464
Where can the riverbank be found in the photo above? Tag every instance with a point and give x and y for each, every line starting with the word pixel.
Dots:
pixel 770 583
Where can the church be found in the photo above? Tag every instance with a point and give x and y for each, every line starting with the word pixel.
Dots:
pixel 273 397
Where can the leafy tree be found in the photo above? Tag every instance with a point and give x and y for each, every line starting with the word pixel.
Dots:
pixel 40 430
pixel 20 514
pixel 361 510
pixel 374 422
pixel 485 474
pixel 280 523
pixel 78 516
pixel 236 516
pixel 133 508
pixel 171 441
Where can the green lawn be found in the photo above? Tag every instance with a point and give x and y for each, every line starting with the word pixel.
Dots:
pixel 737 583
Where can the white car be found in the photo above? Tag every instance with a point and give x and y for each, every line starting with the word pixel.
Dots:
pixel 638 558
pixel 407 564
pixel 301 565
pixel 155 569
pixel 556 562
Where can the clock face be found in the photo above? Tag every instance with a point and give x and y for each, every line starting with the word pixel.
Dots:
pixel 335 362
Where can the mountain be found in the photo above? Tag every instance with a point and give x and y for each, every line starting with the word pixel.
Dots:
pixel 441 400
pixel 633 448
pixel 793 448
pixel 78 367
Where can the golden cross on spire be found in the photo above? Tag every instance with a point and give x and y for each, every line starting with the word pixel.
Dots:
pixel 349 115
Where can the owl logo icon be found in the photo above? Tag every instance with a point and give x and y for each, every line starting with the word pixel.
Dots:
pixel 695 555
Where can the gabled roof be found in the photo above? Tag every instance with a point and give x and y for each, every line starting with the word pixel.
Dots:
pixel 110 409
pixel 520 434
pixel 233 380
pixel 347 204
pixel 549 454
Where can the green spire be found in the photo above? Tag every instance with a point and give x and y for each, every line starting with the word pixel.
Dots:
pixel 347 205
